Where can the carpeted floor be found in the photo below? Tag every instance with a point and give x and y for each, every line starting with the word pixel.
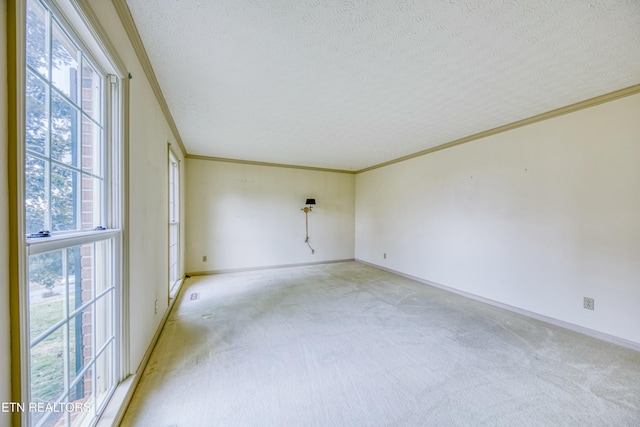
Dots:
pixel 349 345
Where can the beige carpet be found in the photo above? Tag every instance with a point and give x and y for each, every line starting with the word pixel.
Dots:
pixel 349 345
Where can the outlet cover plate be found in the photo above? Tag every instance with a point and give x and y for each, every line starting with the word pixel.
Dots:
pixel 589 303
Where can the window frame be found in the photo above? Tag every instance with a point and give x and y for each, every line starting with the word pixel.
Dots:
pixel 174 219
pixel 58 20
pixel 73 19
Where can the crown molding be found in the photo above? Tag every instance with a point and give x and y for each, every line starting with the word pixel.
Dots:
pixel 127 20
pixel 84 9
pixel 608 97
pixel 612 96
pixel 275 165
pixel 134 37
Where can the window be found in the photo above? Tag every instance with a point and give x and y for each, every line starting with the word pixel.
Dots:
pixel 174 224
pixel 72 332
pixel 73 263
pixel 64 130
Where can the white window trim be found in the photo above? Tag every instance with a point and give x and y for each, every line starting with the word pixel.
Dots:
pixel 82 24
pixel 174 221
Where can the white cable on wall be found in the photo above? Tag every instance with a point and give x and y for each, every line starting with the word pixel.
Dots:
pixel 306 219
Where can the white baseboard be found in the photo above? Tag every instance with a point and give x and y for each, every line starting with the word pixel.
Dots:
pixel 556 322
pixel 267 267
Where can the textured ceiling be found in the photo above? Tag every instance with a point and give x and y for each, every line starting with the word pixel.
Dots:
pixel 354 83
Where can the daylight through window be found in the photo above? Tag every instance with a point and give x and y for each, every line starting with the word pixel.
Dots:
pixel 73 273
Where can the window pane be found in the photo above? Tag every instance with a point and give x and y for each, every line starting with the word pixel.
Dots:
pixel 104 312
pixel 172 274
pixel 74 279
pixel 80 261
pixel 80 343
pixel 46 292
pixel 36 200
pixel 173 189
pixel 64 131
pixel 37 46
pixel 91 91
pixel 91 197
pixel 73 346
pixel 173 234
pixel 53 419
pixel 66 187
pixel 173 253
pixel 81 396
pixel 104 260
pixel 47 368
pixel 174 230
pixel 173 257
pixel 64 64
pixel 64 184
pixel 91 147
pixel 104 375
pixel 37 119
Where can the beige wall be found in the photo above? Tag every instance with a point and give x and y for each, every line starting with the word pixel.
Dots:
pixel 148 193
pixel 537 217
pixel 246 216
pixel 5 344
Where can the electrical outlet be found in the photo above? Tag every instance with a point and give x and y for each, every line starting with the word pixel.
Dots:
pixel 385 255
pixel 157 306
pixel 589 303
pixel 204 258
pixel 313 251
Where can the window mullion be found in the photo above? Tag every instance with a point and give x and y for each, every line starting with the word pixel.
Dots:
pixel 49 42
pixel 67 326
pixel 94 380
pixel 78 145
pixel 109 213
pixel 48 225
